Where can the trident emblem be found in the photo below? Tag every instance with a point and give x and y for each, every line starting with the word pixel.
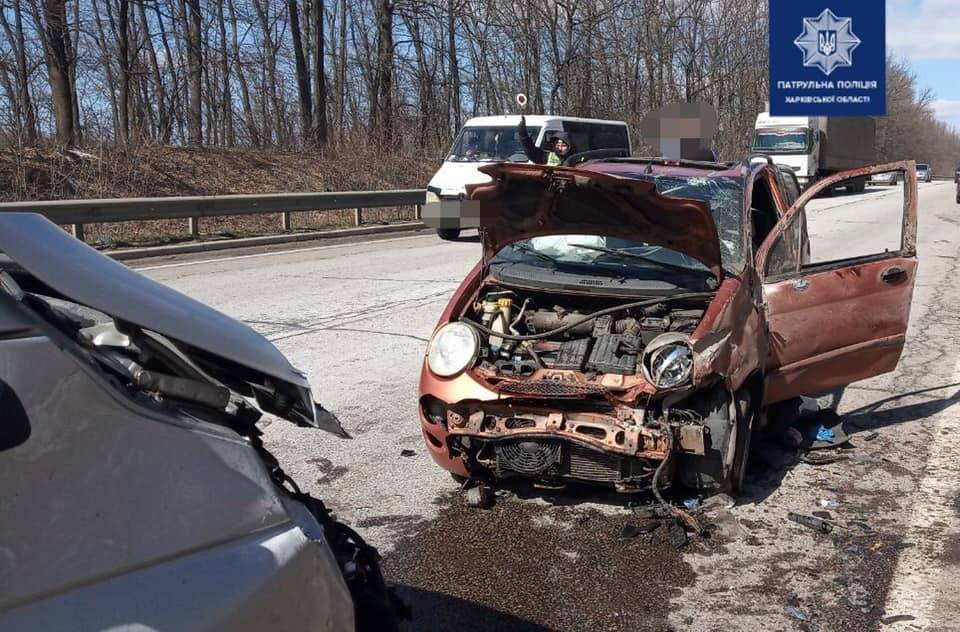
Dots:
pixel 827 42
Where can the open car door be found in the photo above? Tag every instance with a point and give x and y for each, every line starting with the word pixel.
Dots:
pixel 837 303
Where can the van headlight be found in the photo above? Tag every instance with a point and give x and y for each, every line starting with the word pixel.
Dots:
pixel 668 360
pixel 453 349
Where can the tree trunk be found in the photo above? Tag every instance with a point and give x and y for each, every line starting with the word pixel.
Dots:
pixel 123 48
pixel 28 118
pixel 454 66
pixel 195 72
pixel 55 38
pixel 303 75
pixel 320 131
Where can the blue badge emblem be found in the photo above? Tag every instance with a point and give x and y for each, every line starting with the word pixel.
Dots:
pixel 827 42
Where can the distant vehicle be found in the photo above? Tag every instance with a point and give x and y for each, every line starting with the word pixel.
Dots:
pixel 488 139
pixel 886 178
pixel 816 146
pixel 137 493
pixel 924 173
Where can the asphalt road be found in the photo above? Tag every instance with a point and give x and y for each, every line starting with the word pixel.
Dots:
pixel 357 316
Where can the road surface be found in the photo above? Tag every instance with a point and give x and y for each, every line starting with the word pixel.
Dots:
pixel 356 317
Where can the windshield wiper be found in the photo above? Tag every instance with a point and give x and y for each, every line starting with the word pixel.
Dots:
pixel 536 253
pixel 626 254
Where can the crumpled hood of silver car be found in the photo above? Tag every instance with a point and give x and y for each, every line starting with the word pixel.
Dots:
pixel 85 276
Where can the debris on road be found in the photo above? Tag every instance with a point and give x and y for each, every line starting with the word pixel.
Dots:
pixel 859 597
pixel 479 496
pixel 407 452
pixel 827 503
pixel 871 436
pixel 822 514
pixel 676 534
pixel 796 613
pixel 811 522
pixel 897 618
pixel 820 458
pixel 721 501
pixel 632 530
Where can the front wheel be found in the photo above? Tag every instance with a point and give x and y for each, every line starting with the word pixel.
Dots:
pixel 448 234
pixel 741 455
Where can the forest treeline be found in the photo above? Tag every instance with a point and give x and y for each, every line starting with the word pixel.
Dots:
pixel 396 76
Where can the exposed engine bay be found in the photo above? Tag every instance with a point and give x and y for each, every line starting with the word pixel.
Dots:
pixel 586 334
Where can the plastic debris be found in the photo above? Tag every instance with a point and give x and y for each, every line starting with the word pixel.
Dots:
pixel 479 496
pixel 871 436
pixel 825 434
pixel 827 503
pixel 876 546
pixel 407 452
pixel 811 522
pixel 676 534
pixel 796 613
pixel 856 549
pixel 691 503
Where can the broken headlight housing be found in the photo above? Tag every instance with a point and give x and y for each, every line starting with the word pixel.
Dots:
pixel 668 360
pixel 453 349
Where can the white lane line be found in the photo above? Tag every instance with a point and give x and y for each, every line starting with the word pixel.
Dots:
pixel 276 253
pixel 924 584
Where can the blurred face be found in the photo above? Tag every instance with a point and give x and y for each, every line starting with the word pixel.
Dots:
pixel 560 146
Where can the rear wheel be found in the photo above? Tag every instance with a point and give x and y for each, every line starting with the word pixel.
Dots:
pixel 448 234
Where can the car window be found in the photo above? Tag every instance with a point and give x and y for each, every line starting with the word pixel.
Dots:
pixel 591 136
pixel 784 257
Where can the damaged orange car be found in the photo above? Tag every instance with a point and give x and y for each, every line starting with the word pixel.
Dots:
pixel 632 319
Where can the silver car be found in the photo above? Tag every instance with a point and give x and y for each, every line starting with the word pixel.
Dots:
pixel 924 173
pixel 136 491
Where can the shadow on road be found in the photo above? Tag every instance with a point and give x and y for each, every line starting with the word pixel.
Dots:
pixel 436 611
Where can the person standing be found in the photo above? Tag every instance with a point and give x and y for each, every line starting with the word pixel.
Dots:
pixel 561 147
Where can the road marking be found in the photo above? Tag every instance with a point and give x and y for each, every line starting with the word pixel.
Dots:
pixel 275 253
pixel 924 584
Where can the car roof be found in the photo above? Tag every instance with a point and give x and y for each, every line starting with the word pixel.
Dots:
pixel 532 119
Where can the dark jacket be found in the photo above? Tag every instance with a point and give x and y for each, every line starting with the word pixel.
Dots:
pixel 538 155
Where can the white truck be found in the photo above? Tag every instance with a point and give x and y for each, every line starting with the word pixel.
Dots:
pixel 488 139
pixel 817 146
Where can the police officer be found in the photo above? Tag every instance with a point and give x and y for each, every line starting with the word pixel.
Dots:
pixel 560 143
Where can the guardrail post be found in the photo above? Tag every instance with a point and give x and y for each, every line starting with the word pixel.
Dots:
pixel 194 225
pixel 418 214
pixel 285 220
pixel 77 230
pixel 358 216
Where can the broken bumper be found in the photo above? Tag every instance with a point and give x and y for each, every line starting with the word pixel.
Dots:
pixel 506 441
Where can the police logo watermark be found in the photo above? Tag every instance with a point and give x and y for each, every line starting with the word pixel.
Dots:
pixel 827 42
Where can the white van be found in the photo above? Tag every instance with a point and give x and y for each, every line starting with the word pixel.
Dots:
pixel 487 139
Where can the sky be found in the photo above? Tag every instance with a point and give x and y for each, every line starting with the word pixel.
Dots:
pixel 926 33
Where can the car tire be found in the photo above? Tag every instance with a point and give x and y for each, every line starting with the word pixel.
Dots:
pixel 711 471
pixel 448 234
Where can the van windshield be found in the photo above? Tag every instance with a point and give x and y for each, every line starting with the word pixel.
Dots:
pixel 490 144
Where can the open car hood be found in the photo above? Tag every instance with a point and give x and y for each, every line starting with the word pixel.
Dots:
pixel 82 275
pixel 525 201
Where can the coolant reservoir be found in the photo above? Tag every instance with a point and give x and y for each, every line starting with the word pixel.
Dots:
pixel 501 322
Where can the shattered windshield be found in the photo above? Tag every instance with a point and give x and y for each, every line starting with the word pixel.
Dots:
pixel 613 256
pixel 490 144
pixel 779 141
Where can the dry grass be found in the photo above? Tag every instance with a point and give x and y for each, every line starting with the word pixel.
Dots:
pixel 157 171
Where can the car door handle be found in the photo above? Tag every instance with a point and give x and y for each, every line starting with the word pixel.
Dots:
pixel 893 275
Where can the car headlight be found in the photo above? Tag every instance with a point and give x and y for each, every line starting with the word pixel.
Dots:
pixel 453 348
pixel 668 360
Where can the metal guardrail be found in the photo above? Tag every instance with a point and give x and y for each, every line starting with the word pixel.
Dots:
pixel 79 212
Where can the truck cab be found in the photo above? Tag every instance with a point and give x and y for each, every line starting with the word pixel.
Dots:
pixel 488 139
pixel 816 147
pixel 791 140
